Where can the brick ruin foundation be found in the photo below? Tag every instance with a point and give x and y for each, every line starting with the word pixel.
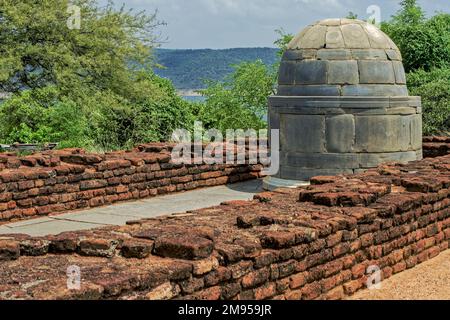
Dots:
pixel 313 242
pixel 57 181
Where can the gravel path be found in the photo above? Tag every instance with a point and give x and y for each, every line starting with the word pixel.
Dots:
pixel 427 281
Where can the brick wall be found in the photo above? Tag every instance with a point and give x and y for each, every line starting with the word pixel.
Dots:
pixel 314 242
pixel 57 181
pixel 436 146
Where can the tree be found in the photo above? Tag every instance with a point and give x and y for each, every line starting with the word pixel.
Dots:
pixel 39 49
pixel 410 13
pixel 424 43
pixel 425 47
pixel 283 40
pixel 89 87
pixel 434 88
pixel 240 102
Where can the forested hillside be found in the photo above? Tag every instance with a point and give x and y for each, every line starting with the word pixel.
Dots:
pixel 189 68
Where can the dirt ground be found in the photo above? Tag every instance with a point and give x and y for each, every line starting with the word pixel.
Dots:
pixel 427 281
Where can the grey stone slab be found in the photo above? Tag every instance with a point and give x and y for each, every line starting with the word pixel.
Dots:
pixel 311 72
pixel 393 45
pixel 369 54
pixel 334 54
pixel 416 132
pixel 377 38
pixel 343 72
pixel 286 74
pixel 309 53
pixel 355 102
pixel 334 38
pixel 330 22
pixel 314 38
pixel 370 160
pixel 393 54
pixel 399 71
pixel 274 119
pixel 309 90
pixel 293 173
pixel 302 133
pixel 301 54
pixel 405 101
pixel 54 227
pixel 351 21
pixel 374 90
pixel 340 133
pixel 383 111
pixel 96 218
pixel 419 154
pixel 295 42
pixel 273 183
pixel 355 36
pixel 119 214
pixel 292 55
pixel 376 72
pixel 311 110
pixel 320 160
pixel 5 230
pixel 29 222
pixel 388 133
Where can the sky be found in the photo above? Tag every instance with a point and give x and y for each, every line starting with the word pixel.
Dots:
pixel 218 24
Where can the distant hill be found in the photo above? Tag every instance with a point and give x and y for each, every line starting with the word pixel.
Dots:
pixel 189 68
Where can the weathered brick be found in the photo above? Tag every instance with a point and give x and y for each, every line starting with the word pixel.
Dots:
pixel 136 249
pixel 255 278
pixel 183 247
pixel 9 250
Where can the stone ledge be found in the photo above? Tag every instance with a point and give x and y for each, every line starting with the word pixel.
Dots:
pixel 350 102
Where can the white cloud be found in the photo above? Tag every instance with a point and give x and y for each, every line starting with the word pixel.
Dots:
pixel 247 23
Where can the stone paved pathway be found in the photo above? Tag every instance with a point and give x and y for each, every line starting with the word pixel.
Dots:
pixel 427 281
pixel 119 214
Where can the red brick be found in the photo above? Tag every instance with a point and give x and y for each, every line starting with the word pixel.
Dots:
pixel 255 278
pixel 298 280
pixel 9 250
pixel 358 271
pixel 399 267
pixel 267 291
pixel 183 247
pixel 352 286
pixel 293 295
pixel 335 294
pixel 311 291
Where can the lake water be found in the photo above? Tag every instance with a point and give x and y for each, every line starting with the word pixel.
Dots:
pixel 194 98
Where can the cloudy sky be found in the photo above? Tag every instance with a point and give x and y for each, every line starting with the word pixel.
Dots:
pixel 251 23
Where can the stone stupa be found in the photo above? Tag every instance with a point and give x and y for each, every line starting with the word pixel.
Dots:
pixel 342 104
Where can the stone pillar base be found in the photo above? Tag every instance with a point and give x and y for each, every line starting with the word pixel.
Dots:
pixel 272 183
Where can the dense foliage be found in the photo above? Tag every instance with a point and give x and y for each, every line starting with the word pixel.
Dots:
pixel 424 43
pixel 95 87
pixel 434 88
pixel 425 46
pixel 190 69
pixel 92 87
pixel 240 102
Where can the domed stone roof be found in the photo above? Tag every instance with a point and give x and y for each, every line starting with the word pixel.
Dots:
pixel 342 57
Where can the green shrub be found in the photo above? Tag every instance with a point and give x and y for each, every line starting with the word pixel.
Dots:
pixel 117 122
pixel 41 116
pixel 434 88
pixel 241 101
pixel 424 43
